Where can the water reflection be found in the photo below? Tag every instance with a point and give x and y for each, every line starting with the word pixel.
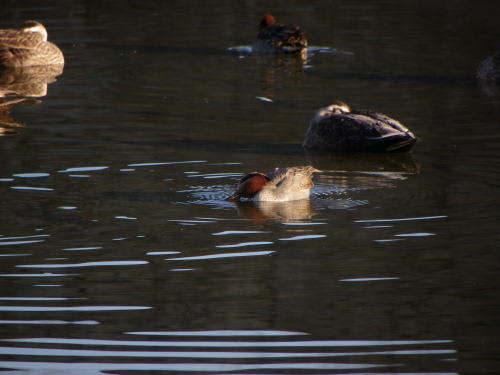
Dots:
pixel 19 86
pixel 30 81
pixel 260 212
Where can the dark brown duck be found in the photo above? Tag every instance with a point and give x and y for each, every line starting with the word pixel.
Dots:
pixel 337 128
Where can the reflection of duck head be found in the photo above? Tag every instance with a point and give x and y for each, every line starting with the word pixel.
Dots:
pixel 28 46
pixel 338 128
pixel 280 185
pixel 274 37
pixel 260 212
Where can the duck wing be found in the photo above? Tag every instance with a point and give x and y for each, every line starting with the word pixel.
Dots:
pixel 19 39
pixel 283 36
pixel 356 132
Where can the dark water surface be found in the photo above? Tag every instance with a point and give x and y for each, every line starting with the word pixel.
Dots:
pixel 118 253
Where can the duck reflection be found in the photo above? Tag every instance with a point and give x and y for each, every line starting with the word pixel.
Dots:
pixel 8 100
pixel 21 86
pixel 29 81
pixel 260 212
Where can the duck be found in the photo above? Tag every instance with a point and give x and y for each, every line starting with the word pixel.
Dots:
pixel 28 46
pixel 489 69
pixel 279 185
pixel 338 128
pixel 275 37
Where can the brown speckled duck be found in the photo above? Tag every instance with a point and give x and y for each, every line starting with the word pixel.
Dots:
pixel 28 46
pixel 338 128
pixel 274 37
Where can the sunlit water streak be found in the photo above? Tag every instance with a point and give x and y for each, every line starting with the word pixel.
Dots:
pixel 226 344
pixel 72 308
pixel 202 367
pixel 230 333
pixel 49 322
pixel 154 164
pixel 230 232
pixel 365 279
pixel 243 244
pixel 82 248
pixel 303 237
pixel 10 243
pixel 402 219
pixel 87 264
pixel 83 169
pixel 224 255
pixel 45 274
pixel 31 175
pixel 31 188
pixel 201 354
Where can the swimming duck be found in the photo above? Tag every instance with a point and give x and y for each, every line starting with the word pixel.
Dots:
pixel 489 69
pixel 274 37
pixel 337 128
pixel 280 185
pixel 28 46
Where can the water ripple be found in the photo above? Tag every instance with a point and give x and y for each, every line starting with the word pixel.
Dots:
pixel 83 169
pixel 45 274
pixel 72 308
pixel 224 255
pixel 228 344
pixel 402 219
pixel 31 188
pixel 227 232
pixel 87 264
pixel 243 244
pixel 303 237
pixel 201 367
pixel 49 322
pixel 166 163
pixel 9 243
pixel 226 332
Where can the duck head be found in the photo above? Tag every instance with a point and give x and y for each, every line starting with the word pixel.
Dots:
pixel 267 20
pixel 250 185
pixel 337 107
pixel 31 26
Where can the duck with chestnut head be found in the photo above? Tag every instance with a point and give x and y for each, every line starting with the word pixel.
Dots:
pixel 274 37
pixel 338 128
pixel 28 46
pixel 280 185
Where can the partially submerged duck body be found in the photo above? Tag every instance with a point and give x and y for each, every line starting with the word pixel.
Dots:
pixel 489 69
pixel 28 46
pixel 280 185
pixel 337 128
pixel 274 37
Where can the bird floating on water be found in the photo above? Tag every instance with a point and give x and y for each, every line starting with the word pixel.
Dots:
pixel 28 46
pixel 338 128
pixel 275 37
pixel 280 185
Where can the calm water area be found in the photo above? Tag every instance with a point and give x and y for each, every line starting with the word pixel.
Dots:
pixel 120 255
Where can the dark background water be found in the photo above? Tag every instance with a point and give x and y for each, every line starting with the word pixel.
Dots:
pixel 394 263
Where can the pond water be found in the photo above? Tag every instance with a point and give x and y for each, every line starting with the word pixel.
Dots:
pixel 119 254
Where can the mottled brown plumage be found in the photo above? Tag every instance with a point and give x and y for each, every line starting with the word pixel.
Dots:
pixel 274 37
pixel 28 46
pixel 337 128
